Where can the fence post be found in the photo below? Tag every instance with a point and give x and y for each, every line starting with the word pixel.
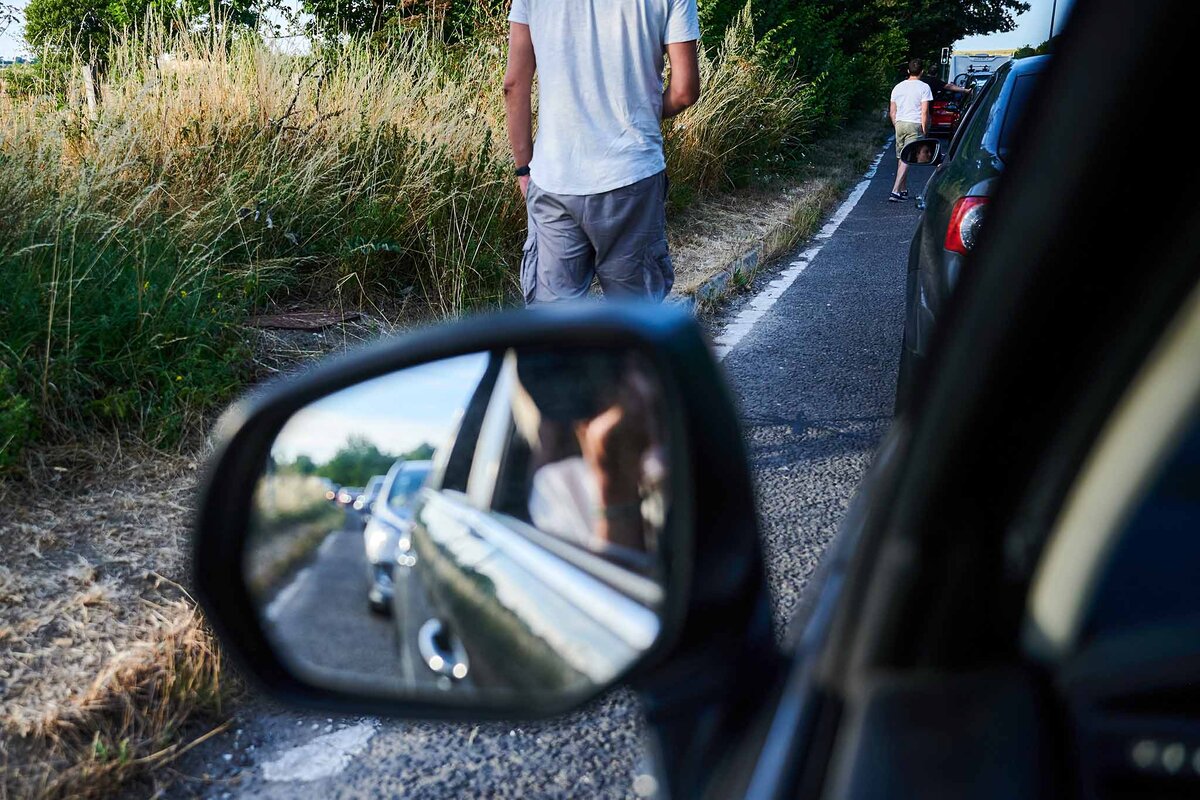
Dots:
pixel 91 92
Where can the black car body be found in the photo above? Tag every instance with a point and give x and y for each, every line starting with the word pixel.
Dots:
pixel 956 199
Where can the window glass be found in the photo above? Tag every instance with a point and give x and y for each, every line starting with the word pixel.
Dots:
pixel 1153 576
pixel 406 484
pixel 974 121
pixel 458 463
pixel 1018 100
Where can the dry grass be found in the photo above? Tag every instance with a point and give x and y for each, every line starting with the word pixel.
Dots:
pixel 776 212
pixel 103 657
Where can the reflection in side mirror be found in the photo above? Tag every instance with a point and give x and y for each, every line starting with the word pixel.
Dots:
pixel 506 544
pixel 922 152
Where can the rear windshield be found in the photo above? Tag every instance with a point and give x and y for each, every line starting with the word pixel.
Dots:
pixel 1022 89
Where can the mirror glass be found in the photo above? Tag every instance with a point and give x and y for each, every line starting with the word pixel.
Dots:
pixel 486 526
pixel 921 152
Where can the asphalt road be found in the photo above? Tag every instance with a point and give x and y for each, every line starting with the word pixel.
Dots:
pixel 321 617
pixel 815 377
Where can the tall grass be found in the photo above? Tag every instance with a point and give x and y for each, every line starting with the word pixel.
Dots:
pixel 229 178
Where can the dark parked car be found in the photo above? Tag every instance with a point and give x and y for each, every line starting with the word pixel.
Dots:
pixel 956 200
pixel 1009 609
pixel 386 534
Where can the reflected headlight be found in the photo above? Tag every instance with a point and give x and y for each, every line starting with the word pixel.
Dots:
pixel 376 540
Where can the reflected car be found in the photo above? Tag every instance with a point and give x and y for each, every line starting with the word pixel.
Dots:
pixel 500 598
pixel 956 200
pixel 367 499
pixel 348 494
pixel 386 537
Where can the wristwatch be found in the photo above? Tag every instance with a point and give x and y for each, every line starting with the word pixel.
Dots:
pixel 522 171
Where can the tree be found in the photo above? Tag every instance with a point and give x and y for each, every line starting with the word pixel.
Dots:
pixel 8 15
pixel 1042 49
pixel 456 19
pixel 85 26
pixel 930 25
pixel 303 465
pixel 89 27
pixel 854 50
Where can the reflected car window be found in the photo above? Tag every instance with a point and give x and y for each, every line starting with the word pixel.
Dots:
pixel 407 482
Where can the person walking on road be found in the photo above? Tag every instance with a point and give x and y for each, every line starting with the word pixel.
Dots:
pixel 595 180
pixel 909 111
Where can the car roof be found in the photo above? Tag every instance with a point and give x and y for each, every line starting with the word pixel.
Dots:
pixel 1025 66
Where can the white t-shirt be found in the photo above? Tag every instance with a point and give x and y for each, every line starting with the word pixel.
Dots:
pixel 908 96
pixel 599 67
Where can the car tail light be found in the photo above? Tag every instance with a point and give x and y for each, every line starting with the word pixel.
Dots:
pixel 965 222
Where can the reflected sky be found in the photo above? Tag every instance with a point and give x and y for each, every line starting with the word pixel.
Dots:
pixel 396 412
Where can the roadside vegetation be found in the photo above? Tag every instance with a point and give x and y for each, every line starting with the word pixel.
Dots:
pixel 230 178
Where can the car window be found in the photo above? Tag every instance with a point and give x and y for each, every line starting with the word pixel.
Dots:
pixel 1153 575
pixel 455 469
pixel 406 484
pixel 513 480
pixel 1018 99
pixel 973 121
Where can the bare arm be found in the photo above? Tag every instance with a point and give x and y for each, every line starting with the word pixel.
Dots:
pixel 518 91
pixel 924 117
pixel 684 89
pixel 956 88
pixel 892 111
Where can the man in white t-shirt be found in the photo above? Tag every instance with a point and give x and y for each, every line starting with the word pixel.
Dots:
pixel 909 111
pixel 595 180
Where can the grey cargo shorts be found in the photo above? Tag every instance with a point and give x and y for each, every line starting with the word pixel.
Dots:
pixel 619 237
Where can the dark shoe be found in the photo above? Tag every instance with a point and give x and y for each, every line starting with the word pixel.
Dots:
pixel 896 197
pixel 904 194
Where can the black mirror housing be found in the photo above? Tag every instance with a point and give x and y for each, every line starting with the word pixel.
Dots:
pixel 715 613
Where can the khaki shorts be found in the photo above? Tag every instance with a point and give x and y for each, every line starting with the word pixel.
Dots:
pixel 906 133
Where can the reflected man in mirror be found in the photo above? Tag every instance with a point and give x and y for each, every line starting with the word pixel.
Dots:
pixel 598 470
pixel 595 182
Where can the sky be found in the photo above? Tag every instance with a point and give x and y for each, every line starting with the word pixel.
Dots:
pixel 1033 27
pixel 397 412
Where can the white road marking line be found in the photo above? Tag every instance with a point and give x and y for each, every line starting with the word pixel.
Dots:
pixel 276 606
pixel 323 757
pixel 289 592
pixel 757 308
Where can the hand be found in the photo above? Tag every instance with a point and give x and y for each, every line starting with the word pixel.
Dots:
pixel 523 183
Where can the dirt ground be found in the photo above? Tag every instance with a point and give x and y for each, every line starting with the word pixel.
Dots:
pixel 707 237
pixel 95 545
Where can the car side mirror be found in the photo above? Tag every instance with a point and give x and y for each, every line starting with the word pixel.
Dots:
pixel 563 488
pixel 922 152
